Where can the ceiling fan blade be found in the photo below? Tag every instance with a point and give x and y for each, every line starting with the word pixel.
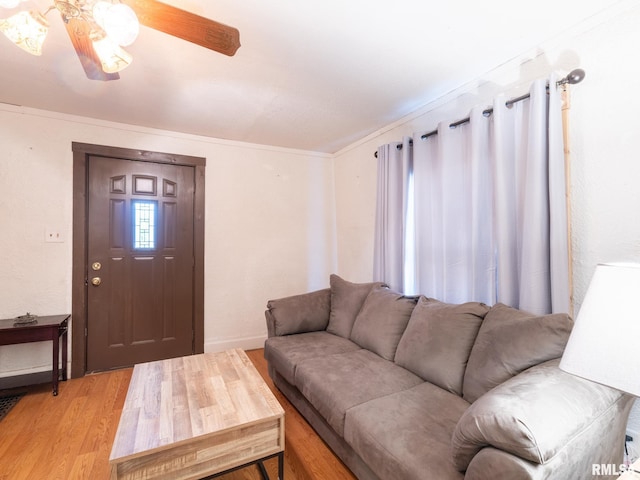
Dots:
pixel 78 31
pixel 188 26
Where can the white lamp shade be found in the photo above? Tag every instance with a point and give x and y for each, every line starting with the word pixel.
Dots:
pixel 603 346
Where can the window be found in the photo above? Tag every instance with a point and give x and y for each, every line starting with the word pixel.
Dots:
pixel 144 225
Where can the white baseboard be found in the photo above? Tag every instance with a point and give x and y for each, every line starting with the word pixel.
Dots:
pixel 27 371
pixel 245 343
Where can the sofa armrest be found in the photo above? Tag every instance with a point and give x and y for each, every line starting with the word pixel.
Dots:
pixel 308 312
pixel 572 463
pixel 536 414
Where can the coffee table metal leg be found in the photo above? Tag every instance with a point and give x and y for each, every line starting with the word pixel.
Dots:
pixel 263 471
pixel 281 466
pixel 265 474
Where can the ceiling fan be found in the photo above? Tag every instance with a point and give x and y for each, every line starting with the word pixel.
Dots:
pixel 99 28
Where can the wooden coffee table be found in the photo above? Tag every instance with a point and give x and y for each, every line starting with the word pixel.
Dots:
pixel 197 416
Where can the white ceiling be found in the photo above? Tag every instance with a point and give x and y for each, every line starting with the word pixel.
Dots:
pixel 314 74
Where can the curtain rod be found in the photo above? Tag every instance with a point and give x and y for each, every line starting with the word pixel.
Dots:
pixel 574 76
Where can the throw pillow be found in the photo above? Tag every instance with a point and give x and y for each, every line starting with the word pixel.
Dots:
pixel 509 342
pixel 346 300
pixel 382 320
pixel 438 339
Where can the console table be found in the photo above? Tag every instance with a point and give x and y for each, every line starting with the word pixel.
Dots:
pixel 52 327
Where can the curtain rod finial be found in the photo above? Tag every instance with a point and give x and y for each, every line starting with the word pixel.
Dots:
pixel 575 76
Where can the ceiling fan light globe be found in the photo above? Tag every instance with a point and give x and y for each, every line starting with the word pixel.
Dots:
pixel 9 3
pixel 100 12
pixel 27 30
pixel 121 24
pixel 112 57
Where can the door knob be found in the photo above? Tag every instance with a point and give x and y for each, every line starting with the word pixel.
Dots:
pixel 95 281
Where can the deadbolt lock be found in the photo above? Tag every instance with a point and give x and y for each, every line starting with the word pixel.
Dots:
pixel 96 266
pixel 95 281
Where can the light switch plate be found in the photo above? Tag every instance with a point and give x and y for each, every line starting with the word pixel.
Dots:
pixel 52 235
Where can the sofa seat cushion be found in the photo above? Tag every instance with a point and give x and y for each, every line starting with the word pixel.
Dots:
pixel 438 339
pixel 335 383
pixel 285 353
pixel 509 342
pixel 407 434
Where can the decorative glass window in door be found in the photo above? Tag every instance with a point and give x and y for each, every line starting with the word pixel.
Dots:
pixel 144 225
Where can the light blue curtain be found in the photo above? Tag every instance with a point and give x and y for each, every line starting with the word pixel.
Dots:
pixel 489 208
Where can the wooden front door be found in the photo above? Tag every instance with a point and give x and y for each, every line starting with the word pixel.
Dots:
pixel 140 262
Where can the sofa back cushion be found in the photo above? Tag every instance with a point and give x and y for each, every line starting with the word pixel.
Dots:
pixel 382 321
pixel 346 300
pixel 509 342
pixel 438 339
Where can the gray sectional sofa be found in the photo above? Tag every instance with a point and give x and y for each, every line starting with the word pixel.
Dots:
pixel 412 388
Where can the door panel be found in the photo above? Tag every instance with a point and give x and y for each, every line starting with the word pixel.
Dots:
pixel 140 231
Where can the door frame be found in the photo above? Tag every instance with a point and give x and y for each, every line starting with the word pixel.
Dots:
pixel 79 287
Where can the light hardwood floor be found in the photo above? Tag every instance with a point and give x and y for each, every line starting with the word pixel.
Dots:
pixel 69 437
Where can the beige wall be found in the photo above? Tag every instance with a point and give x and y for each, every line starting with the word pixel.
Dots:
pixel 270 228
pixel 605 126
